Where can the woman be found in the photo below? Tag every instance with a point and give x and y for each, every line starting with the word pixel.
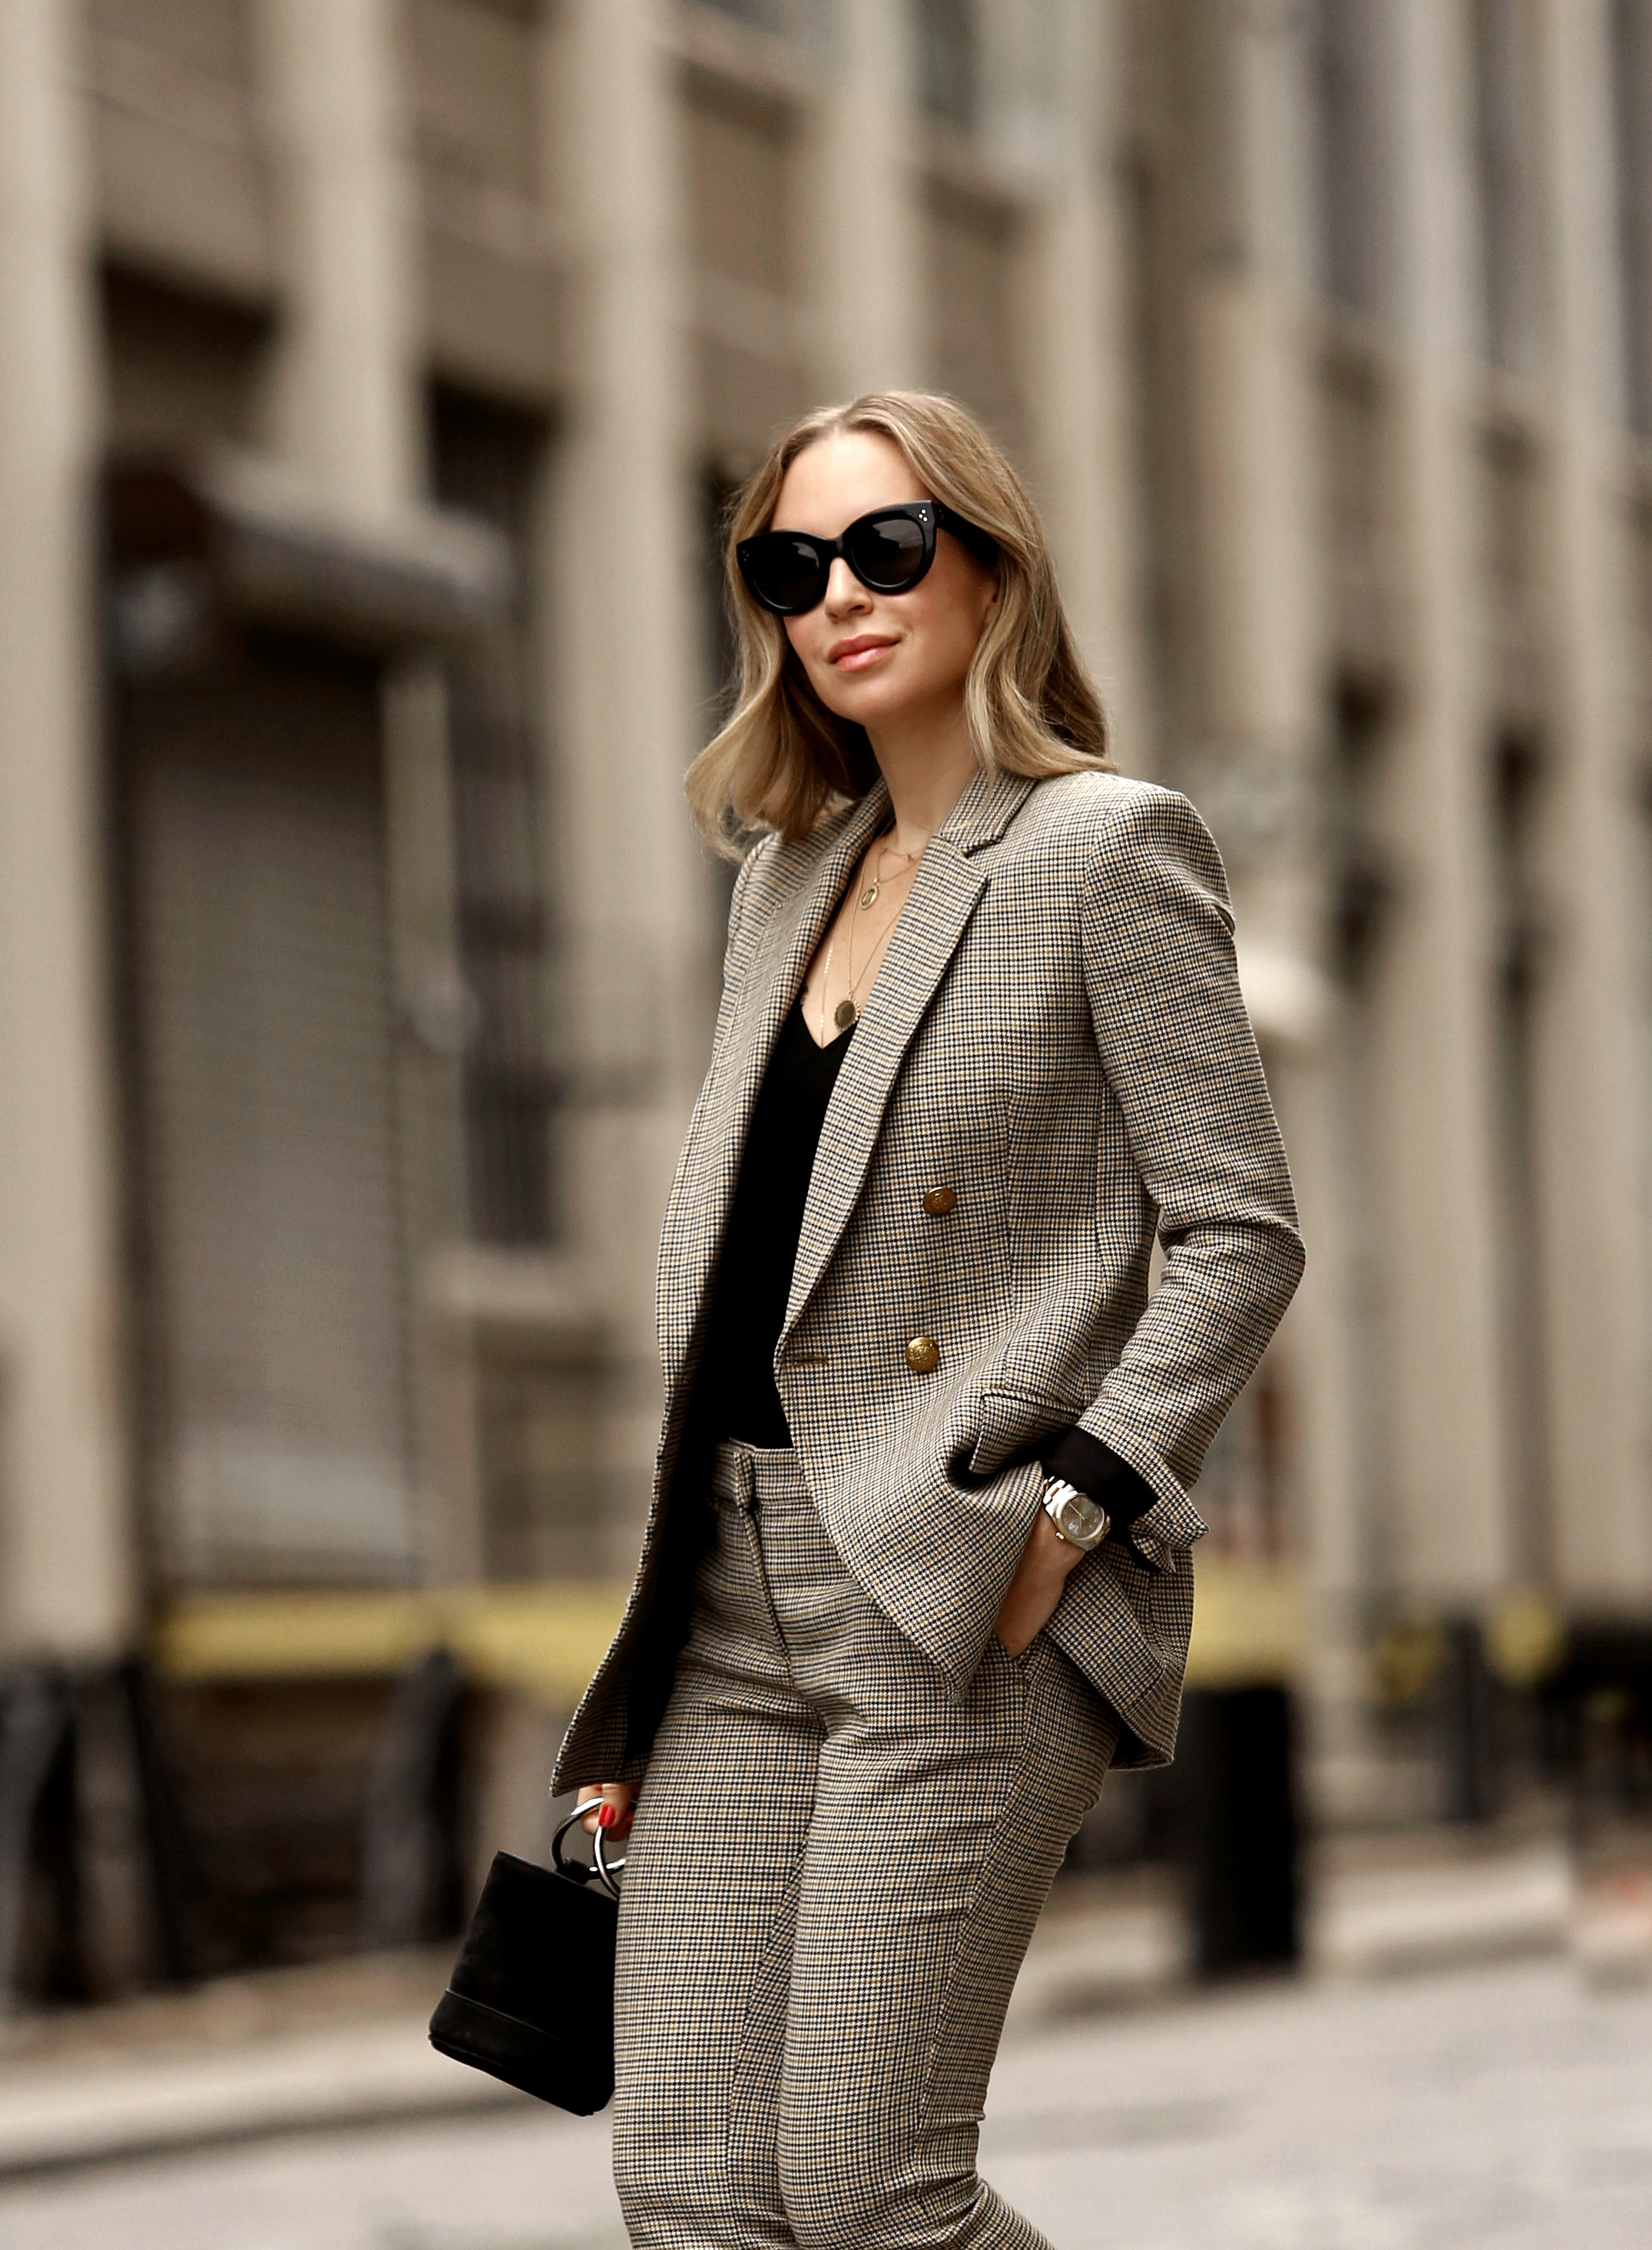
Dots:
pixel 918 1565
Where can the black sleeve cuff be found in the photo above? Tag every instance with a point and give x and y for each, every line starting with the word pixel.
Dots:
pixel 1098 1471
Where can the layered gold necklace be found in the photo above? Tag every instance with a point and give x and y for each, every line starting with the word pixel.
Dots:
pixel 848 1010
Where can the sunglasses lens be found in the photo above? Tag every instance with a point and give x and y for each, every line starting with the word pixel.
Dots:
pixel 887 553
pixel 784 572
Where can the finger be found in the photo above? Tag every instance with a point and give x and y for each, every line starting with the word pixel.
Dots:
pixel 610 1807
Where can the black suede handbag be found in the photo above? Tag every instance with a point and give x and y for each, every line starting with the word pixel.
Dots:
pixel 531 1997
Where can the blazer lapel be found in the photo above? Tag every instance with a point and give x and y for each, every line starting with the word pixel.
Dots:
pixel 710 1164
pixel 927 935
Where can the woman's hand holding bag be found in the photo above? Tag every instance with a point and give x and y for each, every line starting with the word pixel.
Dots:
pixel 531 1999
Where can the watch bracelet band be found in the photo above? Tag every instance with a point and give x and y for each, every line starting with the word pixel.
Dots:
pixel 1095 1469
pixel 1059 1489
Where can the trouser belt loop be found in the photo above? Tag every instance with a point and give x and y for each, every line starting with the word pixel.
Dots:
pixel 734 1476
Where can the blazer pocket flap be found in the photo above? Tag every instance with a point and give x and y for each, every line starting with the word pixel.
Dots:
pixel 1013 1428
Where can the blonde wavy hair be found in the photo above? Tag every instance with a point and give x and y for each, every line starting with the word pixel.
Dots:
pixel 782 761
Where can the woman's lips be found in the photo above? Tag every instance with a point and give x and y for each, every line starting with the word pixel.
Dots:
pixel 856 655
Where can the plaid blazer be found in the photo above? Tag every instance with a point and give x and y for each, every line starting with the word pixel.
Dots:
pixel 1056 1033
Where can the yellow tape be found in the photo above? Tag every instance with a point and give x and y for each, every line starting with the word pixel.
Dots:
pixel 1250 1625
pixel 547 1638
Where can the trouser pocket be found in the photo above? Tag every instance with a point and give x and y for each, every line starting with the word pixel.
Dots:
pixel 1023 1662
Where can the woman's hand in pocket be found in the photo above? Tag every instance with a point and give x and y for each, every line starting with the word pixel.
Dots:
pixel 1046 1561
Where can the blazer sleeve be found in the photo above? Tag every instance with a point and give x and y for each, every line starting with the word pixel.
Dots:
pixel 1179 1054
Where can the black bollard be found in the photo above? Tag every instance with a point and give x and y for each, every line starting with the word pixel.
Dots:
pixel 1242 1827
pixel 40 1919
pixel 412 1883
pixel 1467 1768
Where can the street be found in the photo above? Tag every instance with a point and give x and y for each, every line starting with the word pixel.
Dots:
pixel 1507 2105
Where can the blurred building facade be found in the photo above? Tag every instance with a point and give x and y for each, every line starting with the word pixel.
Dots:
pixel 372 373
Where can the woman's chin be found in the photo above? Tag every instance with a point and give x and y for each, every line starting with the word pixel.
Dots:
pixel 869 703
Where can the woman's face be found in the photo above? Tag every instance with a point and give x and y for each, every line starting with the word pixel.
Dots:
pixel 881 659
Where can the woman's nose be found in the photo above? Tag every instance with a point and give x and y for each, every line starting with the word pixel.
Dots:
pixel 844 591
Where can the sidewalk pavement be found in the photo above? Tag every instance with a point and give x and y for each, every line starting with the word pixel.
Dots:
pixel 344 2045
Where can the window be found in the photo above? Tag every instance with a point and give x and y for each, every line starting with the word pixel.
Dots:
pixel 1345 53
pixel 1365 906
pixel 970 244
pixel 1631 93
pixel 1505 145
pixel 766 15
pixel 180 367
pixel 1641 842
pixel 718 491
pixel 949 57
pixel 486 458
pixel 1638 576
pixel 1517 774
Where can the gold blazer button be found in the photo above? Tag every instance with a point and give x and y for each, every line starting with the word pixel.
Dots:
pixel 924 1355
pixel 938 1201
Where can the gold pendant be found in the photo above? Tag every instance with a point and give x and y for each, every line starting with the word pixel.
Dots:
pixel 843 1014
pixel 869 897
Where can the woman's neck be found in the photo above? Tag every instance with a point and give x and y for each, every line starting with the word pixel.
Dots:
pixel 927 768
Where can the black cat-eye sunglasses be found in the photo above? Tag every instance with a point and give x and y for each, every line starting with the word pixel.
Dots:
pixel 888 550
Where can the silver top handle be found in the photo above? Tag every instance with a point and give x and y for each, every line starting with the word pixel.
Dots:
pixel 606 1868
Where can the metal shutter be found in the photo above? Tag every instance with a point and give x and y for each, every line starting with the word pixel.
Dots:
pixel 277 1305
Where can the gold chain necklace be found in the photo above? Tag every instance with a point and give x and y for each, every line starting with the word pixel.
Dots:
pixel 846 1012
pixel 869 896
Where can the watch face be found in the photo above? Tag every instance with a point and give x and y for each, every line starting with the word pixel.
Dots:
pixel 1081 1519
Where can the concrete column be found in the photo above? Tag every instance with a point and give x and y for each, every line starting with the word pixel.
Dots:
pixel 1447 1449
pixel 864 228
pixel 1075 362
pixel 66 1563
pixel 1256 436
pixel 1590 1097
pixel 1253 410
pixel 627 675
pixel 1254 440
pixel 344 396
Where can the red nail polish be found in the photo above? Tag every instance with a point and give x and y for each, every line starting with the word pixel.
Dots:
pixel 606 1817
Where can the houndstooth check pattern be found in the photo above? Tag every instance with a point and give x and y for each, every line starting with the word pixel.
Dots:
pixel 835 1871
pixel 1056 1033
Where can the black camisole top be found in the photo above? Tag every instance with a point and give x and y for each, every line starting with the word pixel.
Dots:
pixel 735 1393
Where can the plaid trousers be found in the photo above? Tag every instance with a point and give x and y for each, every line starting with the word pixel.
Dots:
pixel 835 1870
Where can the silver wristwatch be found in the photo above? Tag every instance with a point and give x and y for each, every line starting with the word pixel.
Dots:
pixel 1080 1521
